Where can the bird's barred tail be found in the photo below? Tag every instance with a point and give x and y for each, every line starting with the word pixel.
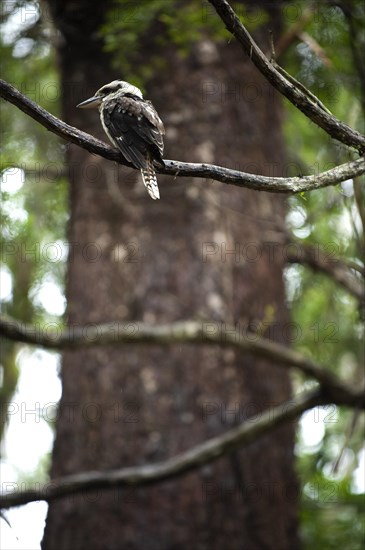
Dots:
pixel 150 180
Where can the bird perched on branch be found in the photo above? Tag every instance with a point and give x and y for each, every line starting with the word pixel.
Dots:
pixel 133 125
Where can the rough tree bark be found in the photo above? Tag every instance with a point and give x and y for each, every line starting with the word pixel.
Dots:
pixel 161 261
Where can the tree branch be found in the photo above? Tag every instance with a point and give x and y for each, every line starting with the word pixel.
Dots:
pixel 276 76
pixel 327 263
pixel 184 332
pixel 315 47
pixel 194 458
pixel 184 169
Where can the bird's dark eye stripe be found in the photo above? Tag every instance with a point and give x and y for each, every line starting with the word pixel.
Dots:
pixel 108 90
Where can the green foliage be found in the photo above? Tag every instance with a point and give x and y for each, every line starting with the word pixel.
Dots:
pixel 332 514
pixel 334 524
pixel 332 331
pixel 131 27
pixel 33 185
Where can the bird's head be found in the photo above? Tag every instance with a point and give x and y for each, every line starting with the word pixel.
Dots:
pixel 118 87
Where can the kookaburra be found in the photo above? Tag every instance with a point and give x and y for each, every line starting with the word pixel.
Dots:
pixel 133 125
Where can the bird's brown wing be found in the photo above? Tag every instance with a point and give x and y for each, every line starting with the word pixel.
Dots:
pixel 157 127
pixel 134 126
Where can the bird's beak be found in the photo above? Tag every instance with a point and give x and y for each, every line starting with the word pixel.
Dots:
pixel 90 103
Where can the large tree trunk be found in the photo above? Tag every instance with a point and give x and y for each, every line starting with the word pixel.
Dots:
pixel 162 261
